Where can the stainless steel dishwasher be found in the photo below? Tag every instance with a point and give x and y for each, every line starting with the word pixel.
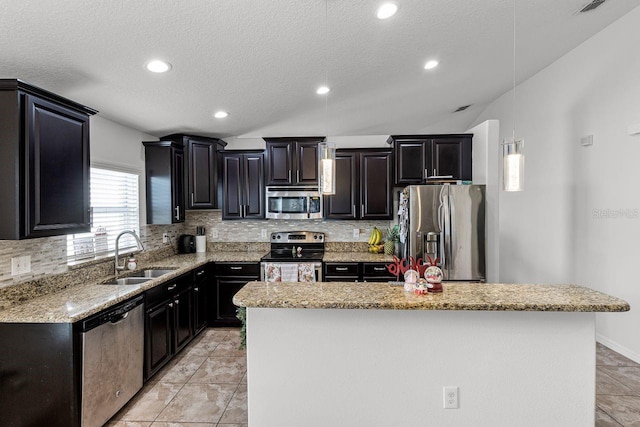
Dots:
pixel 112 360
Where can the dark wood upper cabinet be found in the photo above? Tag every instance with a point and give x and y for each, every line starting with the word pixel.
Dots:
pixel 292 161
pixel 243 185
pixel 201 170
pixel 363 185
pixel 419 157
pixel 164 172
pixel 44 156
pixel 342 205
pixel 376 197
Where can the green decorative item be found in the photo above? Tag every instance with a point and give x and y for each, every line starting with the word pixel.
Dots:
pixel 241 313
pixel 393 236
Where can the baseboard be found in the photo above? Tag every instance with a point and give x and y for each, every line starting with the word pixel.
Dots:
pixel 618 348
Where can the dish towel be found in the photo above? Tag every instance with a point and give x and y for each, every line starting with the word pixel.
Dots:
pixel 306 273
pixel 289 272
pixel 272 272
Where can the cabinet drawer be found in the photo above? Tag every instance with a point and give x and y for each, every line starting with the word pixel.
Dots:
pixel 342 269
pixel 166 290
pixel 238 269
pixel 375 269
pixel 200 274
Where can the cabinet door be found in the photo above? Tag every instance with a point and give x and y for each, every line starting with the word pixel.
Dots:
pixel 253 186
pixel 410 162
pixel 307 163
pixel 57 176
pixel 183 313
pixel 232 186
pixel 158 337
pixel 375 185
pixel 201 175
pixel 279 163
pixel 343 204
pixel 177 186
pixel 450 156
pixel 226 288
pixel 201 282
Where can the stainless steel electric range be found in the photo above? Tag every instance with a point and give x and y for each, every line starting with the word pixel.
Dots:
pixel 295 247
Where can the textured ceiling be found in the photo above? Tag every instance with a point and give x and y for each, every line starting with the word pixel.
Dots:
pixel 262 60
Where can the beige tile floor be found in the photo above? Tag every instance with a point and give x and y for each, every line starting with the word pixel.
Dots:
pixel 204 386
pixel 617 389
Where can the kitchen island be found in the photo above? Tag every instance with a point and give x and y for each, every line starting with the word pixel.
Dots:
pixel 352 354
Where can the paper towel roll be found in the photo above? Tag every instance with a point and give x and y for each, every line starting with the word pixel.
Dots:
pixel 201 243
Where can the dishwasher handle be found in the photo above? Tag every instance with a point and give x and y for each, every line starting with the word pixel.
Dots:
pixel 117 318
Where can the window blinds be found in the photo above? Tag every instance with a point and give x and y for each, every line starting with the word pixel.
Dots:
pixel 114 208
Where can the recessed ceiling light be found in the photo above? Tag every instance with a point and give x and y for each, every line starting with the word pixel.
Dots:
pixel 431 64
pixel 220 114
pixel 157 66
pixel 323 90
pixel 387 10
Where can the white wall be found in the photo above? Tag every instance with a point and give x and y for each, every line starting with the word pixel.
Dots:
pixel 120 147
pixel 577 220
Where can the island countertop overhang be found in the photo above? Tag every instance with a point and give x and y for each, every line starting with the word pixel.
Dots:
pixel 455 297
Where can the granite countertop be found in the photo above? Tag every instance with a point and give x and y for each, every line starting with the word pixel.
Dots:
pixel 81 301
pixel 456 296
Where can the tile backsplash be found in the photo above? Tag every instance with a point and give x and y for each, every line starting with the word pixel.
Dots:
pixel 49 254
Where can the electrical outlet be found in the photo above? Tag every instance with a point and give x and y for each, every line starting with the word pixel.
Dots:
pixel 20 265
pixel 263 233
pixel 214 233
pixel 165 238
pixel 356 233
pixel 450 396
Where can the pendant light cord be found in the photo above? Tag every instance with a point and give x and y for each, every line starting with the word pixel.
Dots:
pixel 514 71
pixel 326 69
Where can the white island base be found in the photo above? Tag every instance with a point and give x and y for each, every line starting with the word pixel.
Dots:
pixel 352 367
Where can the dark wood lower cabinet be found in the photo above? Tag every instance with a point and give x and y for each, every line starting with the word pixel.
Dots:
pixel 230 278
pixel 356 272
pixel 168 322
pixel 158 338
pixel 39 375
pixel 183 313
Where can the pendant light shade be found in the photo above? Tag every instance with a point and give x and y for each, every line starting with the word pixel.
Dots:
pixel 513 164
pixel 327 168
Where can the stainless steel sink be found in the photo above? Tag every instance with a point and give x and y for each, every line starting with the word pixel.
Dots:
pixel 128 281
pixel 152 273
pixel 140 276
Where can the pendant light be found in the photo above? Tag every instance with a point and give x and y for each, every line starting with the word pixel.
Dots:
pixel 326 150
pixel 513 148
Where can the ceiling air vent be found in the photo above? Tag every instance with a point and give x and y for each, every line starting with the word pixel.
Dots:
pixel 591 6
pixel 464 107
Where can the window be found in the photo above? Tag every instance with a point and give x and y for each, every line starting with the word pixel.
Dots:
pixel 114 208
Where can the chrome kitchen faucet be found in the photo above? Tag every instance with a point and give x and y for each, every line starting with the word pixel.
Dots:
pixel 140 246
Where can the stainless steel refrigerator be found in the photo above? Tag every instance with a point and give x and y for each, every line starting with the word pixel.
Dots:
pixel 447 222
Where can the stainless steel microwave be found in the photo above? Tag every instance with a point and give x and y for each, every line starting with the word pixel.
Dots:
pixel 293 203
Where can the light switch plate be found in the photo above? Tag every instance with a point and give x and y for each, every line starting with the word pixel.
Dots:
pixel 356 233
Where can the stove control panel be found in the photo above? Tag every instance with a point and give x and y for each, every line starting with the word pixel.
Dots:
pixel 297 237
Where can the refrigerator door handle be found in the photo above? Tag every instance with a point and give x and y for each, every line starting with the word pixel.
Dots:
pixel 445 239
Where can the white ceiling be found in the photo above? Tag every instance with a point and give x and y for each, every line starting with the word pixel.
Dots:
pixel 262 60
